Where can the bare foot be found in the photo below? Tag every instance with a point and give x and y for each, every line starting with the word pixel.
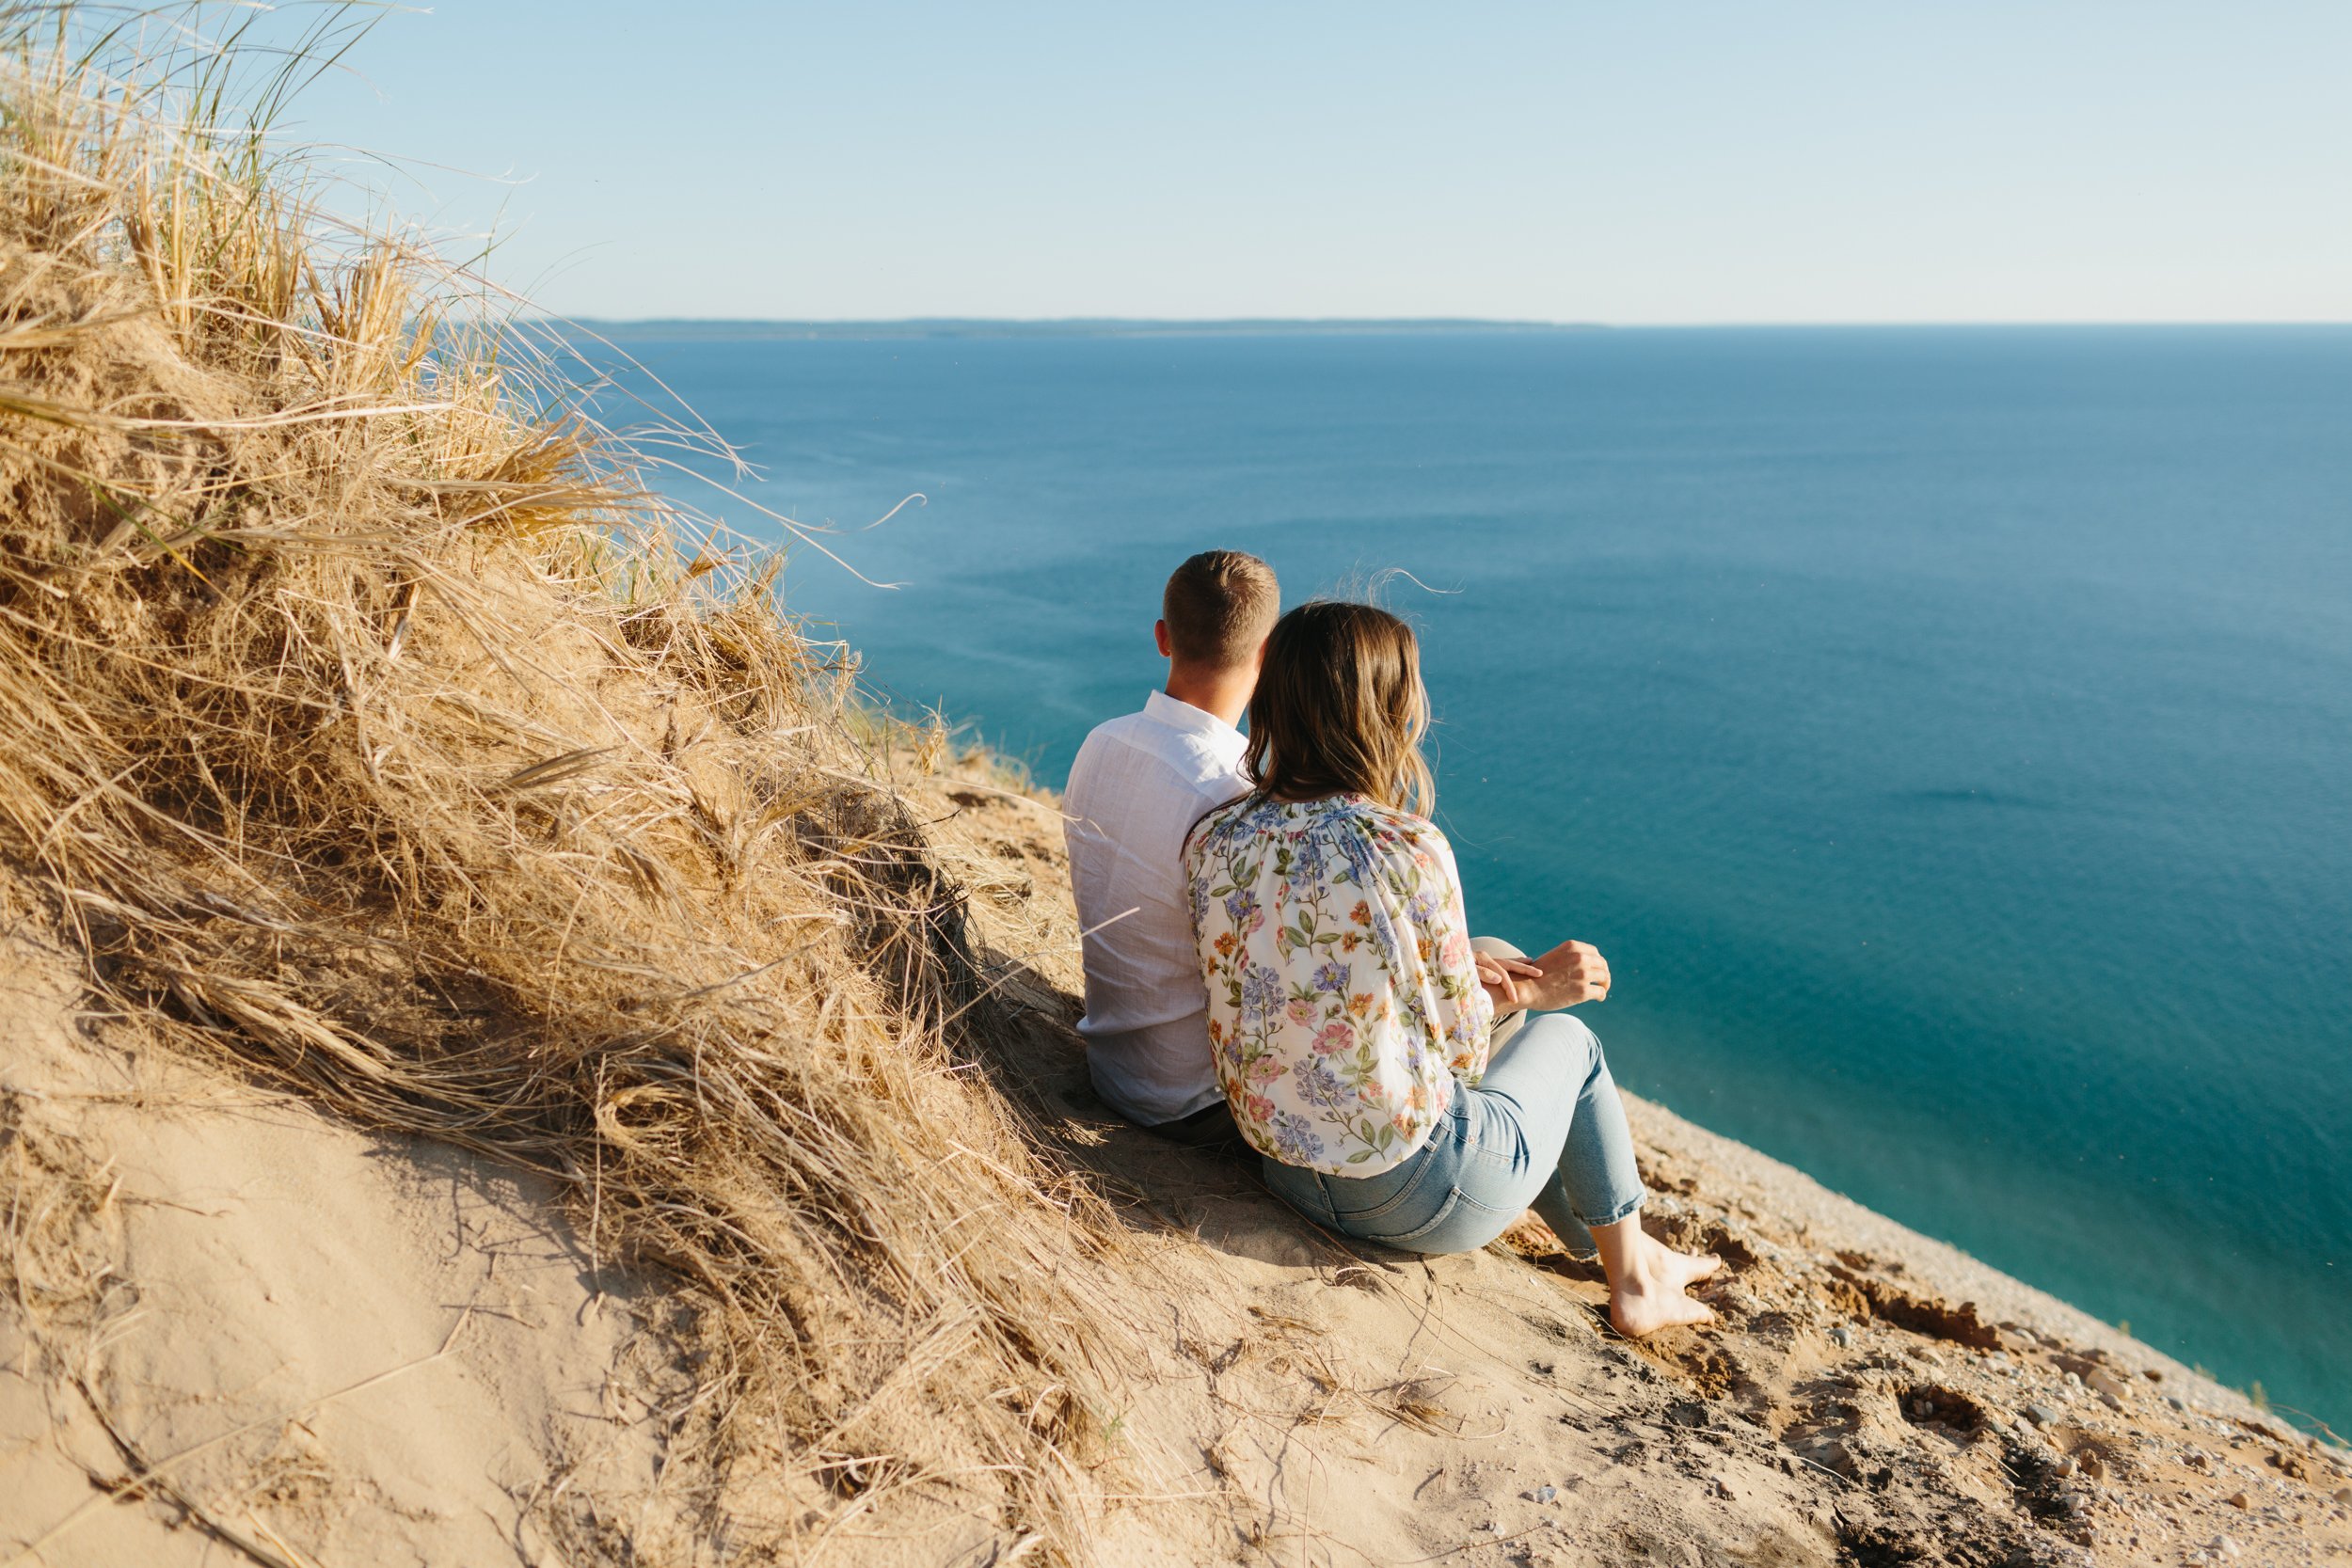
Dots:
pixel 1646 1295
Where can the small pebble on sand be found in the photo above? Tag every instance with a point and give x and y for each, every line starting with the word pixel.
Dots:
pixel 1841 1337
pixel 2040 1415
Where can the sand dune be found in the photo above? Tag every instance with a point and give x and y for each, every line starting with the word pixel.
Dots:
pixel 338 1347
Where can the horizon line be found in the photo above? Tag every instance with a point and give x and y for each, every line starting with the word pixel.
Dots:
pixel 941 325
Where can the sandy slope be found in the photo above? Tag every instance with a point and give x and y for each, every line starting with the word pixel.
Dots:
pixel 332 1346
pixel 325 1347
pixel 1872 1396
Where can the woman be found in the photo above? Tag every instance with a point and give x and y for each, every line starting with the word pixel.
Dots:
pixel 1351 1018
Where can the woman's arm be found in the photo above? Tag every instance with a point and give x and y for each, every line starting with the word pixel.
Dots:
pixel 1466 1007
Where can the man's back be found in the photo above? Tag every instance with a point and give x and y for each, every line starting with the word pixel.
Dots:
pixel 1138 784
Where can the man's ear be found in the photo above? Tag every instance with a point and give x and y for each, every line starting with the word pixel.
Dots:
pixel 1159 635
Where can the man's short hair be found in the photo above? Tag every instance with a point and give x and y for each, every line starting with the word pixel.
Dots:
pixel 1220 605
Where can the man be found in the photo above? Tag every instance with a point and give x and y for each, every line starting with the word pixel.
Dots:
pixel 1138 784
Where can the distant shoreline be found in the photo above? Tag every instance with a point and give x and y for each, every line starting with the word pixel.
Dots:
pixel 751 329
pixel 1077 326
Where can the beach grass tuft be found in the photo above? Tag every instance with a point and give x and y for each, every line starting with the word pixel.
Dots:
pixel 373 724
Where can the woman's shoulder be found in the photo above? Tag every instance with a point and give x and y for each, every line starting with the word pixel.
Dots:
pixel 1254 814
pixel 1242 817
pixel 1393 826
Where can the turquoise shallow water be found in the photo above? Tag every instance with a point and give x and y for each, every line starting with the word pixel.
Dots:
pixel 1947 734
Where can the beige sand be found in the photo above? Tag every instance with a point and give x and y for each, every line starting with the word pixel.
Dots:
pixel 379 1351
pixel 333 1346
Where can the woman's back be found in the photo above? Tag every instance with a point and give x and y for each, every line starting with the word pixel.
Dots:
pixel 1343 1000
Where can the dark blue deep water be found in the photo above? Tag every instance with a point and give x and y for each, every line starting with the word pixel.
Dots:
pixel 1947 734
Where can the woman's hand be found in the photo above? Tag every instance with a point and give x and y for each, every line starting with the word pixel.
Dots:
pixel 1505 980
pixel 1571 973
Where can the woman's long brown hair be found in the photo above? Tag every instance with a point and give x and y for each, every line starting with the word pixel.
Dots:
pixel 1339 709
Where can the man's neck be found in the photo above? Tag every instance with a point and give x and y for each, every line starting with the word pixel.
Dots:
pixel 1222 692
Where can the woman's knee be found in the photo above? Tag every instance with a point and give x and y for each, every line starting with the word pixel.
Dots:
pixel 1591 1043
pixel 1542 1073
pixel 1564 1034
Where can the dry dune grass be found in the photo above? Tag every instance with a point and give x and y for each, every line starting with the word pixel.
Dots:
pixel 369 725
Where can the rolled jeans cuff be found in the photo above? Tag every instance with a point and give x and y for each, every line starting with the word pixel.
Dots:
pixel 1631 1207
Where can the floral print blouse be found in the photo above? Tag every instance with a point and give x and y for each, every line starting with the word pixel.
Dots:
pixel 1343 1000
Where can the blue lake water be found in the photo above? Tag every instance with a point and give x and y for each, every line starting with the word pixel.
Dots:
pixel 1947 734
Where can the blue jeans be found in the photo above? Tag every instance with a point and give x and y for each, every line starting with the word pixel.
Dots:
pixel 1544 1130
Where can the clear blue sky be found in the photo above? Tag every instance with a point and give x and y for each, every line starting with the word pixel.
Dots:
pixel 1628 162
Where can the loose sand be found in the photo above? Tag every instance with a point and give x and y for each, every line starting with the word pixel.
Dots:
pixel 333 1346
pixel 320 1346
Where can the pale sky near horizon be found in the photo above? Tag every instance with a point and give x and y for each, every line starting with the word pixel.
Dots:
pixel 1702 162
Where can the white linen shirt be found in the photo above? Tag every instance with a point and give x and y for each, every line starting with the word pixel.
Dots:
pixel 1140 782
